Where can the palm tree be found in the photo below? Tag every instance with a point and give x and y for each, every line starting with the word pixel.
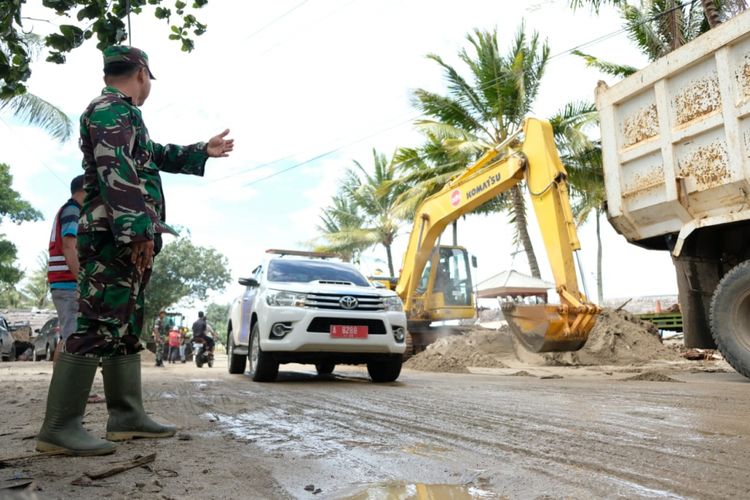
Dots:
pixel 37 287
pixel 366 212
pixel 33 109
pixel 482 111
pixel 341 229
pixel 660 26
pixel 583 161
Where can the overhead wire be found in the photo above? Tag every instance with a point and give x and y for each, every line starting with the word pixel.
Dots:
pixel 23 140
pixel 623 30
pixel 274 21
pixel 487 85
pixel 391 127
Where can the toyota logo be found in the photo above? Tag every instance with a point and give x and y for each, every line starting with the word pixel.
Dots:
pixel 348 302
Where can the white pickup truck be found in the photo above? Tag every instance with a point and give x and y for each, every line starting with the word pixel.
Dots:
pixel 676 150
pixel 297 309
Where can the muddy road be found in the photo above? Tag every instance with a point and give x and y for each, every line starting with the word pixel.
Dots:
pixel 487 435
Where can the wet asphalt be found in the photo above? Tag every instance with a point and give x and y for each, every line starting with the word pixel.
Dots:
pixel 436 435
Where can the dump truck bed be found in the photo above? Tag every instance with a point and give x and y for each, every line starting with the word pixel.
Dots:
pixel 676 139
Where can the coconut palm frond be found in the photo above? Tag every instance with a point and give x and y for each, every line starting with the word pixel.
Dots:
pixel 606 67
pixel 644 32
pixel 447 109
pixel 595 5
pixel 460 89
pixel 36 111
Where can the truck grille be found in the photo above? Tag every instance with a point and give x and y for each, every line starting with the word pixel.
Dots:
pixel 349 301
pixel 323 325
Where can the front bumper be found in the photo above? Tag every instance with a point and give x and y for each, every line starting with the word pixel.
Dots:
pixel 309 330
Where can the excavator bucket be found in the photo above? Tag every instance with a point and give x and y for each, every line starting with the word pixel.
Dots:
pixel 542 327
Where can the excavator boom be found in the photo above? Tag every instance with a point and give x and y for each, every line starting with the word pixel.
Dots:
pixel 540 327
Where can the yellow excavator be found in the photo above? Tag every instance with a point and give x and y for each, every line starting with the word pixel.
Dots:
pixel 435 280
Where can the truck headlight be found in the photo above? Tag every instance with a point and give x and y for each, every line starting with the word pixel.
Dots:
pixel 393 303
pixel 278 298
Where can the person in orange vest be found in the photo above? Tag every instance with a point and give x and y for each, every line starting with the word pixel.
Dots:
pixel 175 338
pixel 62 267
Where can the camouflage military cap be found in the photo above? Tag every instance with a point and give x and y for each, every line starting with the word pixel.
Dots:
pixel 123 53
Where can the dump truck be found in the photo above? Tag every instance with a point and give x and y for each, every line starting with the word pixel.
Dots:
pixel 675 139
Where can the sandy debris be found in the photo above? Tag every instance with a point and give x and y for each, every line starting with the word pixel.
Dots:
pixel 652 376
pixel 618 338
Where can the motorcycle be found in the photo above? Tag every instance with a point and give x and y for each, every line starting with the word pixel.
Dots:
pixel 201 355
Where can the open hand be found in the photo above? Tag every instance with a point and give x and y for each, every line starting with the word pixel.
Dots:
pixel 218 147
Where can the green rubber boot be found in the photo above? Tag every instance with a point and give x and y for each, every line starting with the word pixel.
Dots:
pixel 122 390
pixel 69 389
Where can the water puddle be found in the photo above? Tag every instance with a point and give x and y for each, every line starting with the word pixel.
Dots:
pixel 303 433
pixel 424 449
pixel 420 491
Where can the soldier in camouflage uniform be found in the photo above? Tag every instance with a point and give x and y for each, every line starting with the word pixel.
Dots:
pixel 160 332
pixel 122 220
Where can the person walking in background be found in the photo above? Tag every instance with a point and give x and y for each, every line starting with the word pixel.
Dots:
pixel 62 267
pixel 174 344
pixel 122 220
pixel 183 345
pixel 160 333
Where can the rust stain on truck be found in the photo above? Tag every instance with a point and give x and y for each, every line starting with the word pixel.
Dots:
pixel 641 125
pixel 708 165
pixel 742 75
pixel 643 181
pixel 698 98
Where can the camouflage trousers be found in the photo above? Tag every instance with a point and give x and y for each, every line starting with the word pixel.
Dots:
pixel 111 299
pixel 159 349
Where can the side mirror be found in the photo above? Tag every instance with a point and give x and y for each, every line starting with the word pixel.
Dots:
pixel 474 261
pixel 37 331
pixel 251 282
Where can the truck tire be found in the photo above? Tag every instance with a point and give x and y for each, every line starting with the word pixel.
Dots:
pixel 236 362
pixel 730 317
pixel 385 370
pixel 263 368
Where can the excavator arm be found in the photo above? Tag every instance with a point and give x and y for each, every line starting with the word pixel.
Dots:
pixel 540 327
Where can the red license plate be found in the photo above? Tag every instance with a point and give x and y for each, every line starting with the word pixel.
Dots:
pixel 348 332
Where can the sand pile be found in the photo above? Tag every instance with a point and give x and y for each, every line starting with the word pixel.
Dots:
pixel 481 348
pixel 617 339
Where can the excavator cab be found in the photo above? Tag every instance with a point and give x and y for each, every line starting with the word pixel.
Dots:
pixel 445 284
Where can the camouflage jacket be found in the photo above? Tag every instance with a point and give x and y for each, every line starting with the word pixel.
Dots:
pixel 123 188
pixel 160 327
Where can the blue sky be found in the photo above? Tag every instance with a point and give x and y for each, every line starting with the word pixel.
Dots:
pixel 295 79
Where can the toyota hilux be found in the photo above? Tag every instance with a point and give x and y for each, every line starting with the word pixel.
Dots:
pixel 300 308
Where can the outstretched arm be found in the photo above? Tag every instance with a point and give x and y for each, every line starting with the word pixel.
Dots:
pixel 191 159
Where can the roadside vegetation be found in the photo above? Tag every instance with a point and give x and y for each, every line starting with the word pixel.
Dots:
pixel 486 100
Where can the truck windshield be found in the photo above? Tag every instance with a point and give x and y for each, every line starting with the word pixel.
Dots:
pixel 303 271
